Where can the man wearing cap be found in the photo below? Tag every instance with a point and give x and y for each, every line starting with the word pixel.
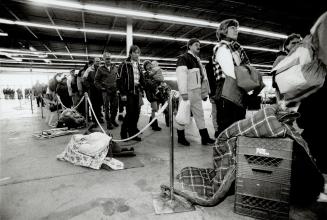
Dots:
pixel 105 80
pixel 193 85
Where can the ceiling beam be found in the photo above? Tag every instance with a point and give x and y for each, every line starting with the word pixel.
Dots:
pixel 53 23
pixel 85 39
pixel 109 35
pixel 146 15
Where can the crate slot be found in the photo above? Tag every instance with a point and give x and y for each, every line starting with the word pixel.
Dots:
pixel 263 161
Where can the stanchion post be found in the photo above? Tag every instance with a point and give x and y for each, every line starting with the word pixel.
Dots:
pixel 171 146
pixel 42 107
pixel 86 109
pixel 31 102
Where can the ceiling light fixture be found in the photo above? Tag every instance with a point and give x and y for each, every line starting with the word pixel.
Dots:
pixel 29 53
pixel 120 33
pixel 3 34
pixel 122 12
pixel 40 63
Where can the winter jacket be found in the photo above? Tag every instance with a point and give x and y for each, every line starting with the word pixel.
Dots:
pixel 106 77
pixel 125 81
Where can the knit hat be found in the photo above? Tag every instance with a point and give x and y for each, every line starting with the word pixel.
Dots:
pixel 290 38
pixel 222 29
pixel 145 63
pixel 192 41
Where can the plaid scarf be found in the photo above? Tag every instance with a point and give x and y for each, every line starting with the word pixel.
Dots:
pixel 238 54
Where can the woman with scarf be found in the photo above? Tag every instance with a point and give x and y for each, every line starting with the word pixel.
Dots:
pixel 129 81
pixel 227 54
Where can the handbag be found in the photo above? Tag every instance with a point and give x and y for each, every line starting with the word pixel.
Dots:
pixel 184 112
pixel 248 78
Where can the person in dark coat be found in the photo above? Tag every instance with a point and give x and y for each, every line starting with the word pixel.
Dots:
pixel 106 81
pixel 130 81
pixel 94 93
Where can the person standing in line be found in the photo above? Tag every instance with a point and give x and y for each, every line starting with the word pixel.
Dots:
pixel 94 94
pixel 150 88
pixel 193 85
pixel 227 54
pixel 72 87
pixel 290 42
pixel 105 81
pixel 130 79
pixel 213 86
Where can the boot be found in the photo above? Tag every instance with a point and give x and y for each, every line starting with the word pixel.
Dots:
pixel 181 138
pixel 154 125
pixel 205 139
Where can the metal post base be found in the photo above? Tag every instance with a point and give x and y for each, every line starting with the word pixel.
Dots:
pixel 164 205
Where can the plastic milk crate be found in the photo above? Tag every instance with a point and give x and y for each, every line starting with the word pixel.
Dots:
pixel 263 177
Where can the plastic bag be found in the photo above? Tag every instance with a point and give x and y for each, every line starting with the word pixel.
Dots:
pixel 184 112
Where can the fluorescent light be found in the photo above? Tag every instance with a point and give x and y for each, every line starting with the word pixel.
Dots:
pixel 58 27
pixel 21 51
pixel 3 34
pixel 122 12
pixel 120 33
pixel 6 21
pixel 99 55
pixel 261 65
pixel 260 48
pixel 39 63
pixel 262 32
pixel 160 37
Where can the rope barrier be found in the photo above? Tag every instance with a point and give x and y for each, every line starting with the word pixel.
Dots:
pixel 60 102
pixel 143 129
pixel 135 135
pixel 74 107
pixel 88 99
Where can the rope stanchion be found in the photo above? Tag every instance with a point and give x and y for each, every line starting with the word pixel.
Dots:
pixel 86 108
pixel 31 102
pixel 42 108
pixel 91 107
pixel 148 125
pixel 76 106
pixel 143 129
pixel 60 102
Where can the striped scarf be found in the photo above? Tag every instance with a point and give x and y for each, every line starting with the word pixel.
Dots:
pixel 238 54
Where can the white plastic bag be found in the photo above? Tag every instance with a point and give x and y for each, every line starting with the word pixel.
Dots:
pixel 113 163
pixel 184 112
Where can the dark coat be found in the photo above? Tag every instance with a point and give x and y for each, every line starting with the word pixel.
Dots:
pixel 125 80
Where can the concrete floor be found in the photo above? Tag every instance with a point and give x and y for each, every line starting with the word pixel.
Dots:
pixel 35 185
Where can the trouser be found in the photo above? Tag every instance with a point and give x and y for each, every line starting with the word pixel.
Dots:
pixel 39 101
pixel 196 108
pixel 214 114
pixel 228 113
pixel 96 101
pixel 121 104
pixel 110 100
pixel 318 149
pixel 133 109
